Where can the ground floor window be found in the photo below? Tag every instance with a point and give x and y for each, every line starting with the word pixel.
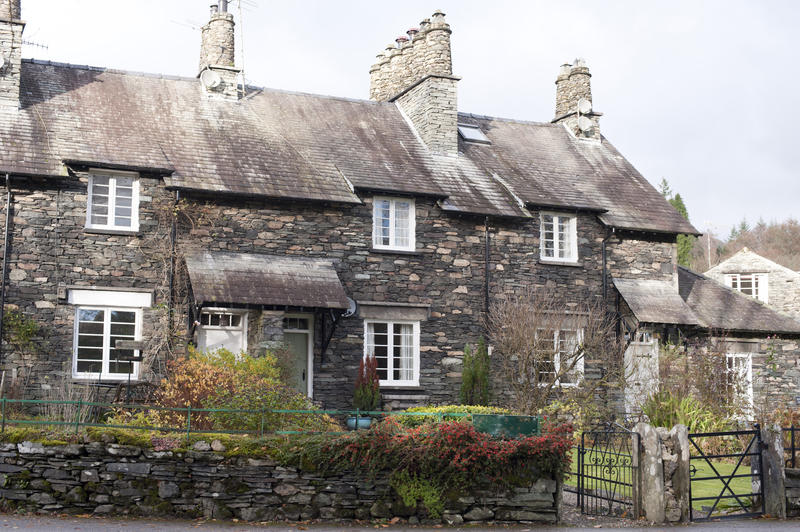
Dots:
pixel 395 345
pixel 557 361
pixel 107 324
pixel 222 329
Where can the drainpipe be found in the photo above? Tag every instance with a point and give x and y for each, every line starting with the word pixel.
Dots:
pixel 486 267
pixel 5 262
pixel 605 269
pixel 173 236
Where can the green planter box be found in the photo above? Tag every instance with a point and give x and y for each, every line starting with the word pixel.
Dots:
pixel 506 426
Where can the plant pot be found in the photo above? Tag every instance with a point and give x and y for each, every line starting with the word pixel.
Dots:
pixel 362 422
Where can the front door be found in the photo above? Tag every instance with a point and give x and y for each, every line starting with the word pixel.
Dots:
pixel 298 335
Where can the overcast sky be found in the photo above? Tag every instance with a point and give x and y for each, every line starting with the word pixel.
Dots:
pixel 704 94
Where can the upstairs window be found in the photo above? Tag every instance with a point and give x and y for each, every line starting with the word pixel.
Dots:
pixel 559 238
pixel 393 224
pixel 395 346
pixel 751 284
pixel 113 201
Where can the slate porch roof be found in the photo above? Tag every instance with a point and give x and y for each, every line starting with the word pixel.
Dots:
pixel 703 302
pixel 254 279
pixel 653 301
pixel 289 145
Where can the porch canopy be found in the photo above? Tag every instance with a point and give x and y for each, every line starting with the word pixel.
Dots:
pixel 257 279
pixel 654 301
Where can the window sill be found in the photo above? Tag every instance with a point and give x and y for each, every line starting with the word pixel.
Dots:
pixel 109 231
pixel 103 380
pixel 400 388
pixel 575 264
pixel 388 251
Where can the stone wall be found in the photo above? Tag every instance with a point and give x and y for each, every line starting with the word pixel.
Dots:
pixel 634 256
pixel 112 479
pixel 445 274
pixel 432 108
pixel 792 483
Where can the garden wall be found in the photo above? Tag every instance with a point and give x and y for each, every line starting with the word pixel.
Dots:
pixel 210 481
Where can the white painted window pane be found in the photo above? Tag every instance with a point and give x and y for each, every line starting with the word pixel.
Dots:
pixel 403 351
pixel 378 346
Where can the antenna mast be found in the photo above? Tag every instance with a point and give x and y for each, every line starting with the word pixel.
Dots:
pixel 241 47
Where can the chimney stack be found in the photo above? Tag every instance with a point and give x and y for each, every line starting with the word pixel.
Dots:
pixel 11 28
pixel 217 53
pixel 416 74
pixel 574 101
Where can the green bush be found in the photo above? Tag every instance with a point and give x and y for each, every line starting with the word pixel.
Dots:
pixel 475 375
pixel 664 409
pixel 440 413
pixel 367 393
pixel 223 380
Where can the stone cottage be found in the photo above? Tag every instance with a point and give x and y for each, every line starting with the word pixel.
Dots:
pixel 767 281
pixel 146 210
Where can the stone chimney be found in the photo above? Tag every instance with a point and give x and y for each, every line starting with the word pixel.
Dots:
pixel 218 72
pixel 574 101
pixel 416 73
pixel 11 28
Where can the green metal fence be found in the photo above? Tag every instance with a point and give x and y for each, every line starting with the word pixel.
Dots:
pixel 91 414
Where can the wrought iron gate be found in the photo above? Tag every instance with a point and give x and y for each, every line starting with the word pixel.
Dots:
pixel 608 472
pixel 717 474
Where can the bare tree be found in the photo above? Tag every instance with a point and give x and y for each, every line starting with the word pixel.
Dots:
pixel 548 348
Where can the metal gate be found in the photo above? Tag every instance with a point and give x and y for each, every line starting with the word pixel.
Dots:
pixel 716 461
pixel 608 472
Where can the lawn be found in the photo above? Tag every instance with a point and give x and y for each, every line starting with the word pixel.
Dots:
pixel 702 488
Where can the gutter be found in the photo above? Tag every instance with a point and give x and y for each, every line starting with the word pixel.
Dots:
pixel 173 237
pixel 486 267
pixel 5 262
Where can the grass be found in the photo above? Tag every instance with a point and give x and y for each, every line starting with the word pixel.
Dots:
pixel 702 488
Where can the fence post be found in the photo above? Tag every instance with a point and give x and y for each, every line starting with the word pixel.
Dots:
pixel 773 477
pixel 4 415
pixel 261 430
pixel 188 421
pixel 78 416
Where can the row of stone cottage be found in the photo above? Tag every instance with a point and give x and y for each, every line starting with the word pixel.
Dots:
pixel 245 217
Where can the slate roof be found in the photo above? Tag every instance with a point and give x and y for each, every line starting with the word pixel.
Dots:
pixel 653 301
pixel 253 279
pixel 719 307
pixel 289 145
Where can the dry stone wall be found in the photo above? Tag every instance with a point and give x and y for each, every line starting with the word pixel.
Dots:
pixel 112 479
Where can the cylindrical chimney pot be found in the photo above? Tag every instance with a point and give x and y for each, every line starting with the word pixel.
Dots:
pixel 223 6
pixel 214 8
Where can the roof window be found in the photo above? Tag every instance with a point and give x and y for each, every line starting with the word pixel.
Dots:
pixel 472 133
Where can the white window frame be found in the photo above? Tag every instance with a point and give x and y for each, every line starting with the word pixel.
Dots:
pixel 760 284
pixel 222 310
pixel 578 369
pixel 412 224
pixel 390 381
pixel 747 373
pixel 573 229
pixel 107 301
pixel 112 200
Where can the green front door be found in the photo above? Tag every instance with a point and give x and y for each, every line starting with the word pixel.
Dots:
pixel 298 337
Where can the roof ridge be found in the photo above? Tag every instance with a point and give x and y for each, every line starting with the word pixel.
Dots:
pixel 501 119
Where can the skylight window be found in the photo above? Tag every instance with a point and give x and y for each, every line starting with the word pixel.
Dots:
pixel 472 134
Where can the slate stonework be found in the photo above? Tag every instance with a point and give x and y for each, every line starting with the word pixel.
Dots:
pixel 112 479
pixel 51 251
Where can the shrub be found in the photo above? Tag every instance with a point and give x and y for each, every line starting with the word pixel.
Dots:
pixel 440 413
pixel 222 380
pixel 475 375
pixel 664 409
pixel 367 394
pixel 432 459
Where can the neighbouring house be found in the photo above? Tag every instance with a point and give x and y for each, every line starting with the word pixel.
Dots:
pixel 767 281
pixel 147 210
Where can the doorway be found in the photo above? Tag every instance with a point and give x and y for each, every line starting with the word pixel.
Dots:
pixel 298 335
